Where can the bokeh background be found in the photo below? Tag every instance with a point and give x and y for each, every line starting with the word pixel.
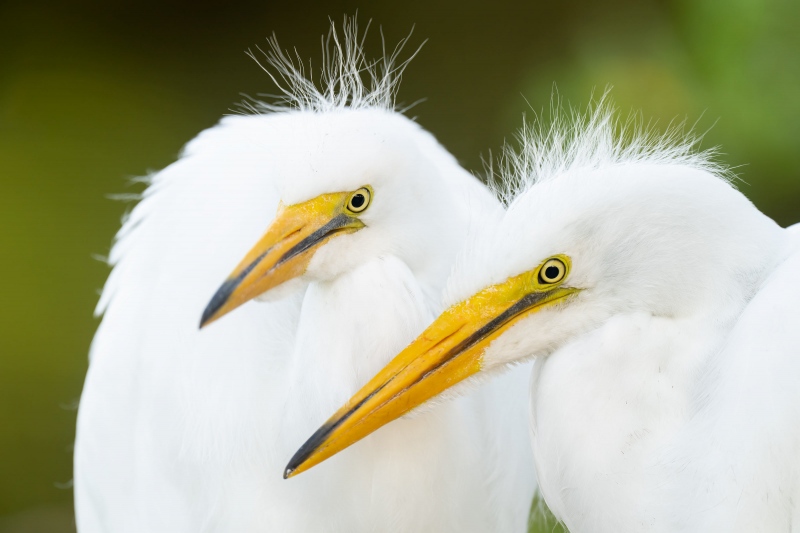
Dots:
pixel 93 93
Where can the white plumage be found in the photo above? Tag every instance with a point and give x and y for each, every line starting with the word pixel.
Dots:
pixel 665 397
pixel 662 310
pixel 181 429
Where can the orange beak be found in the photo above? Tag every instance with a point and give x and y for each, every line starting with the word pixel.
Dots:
pixel 448 352
pixel 283 252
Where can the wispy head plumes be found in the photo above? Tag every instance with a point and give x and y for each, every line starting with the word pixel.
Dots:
pixel 593 139
pixel 345 78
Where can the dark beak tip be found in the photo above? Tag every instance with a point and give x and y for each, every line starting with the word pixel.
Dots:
pixel 308 448
pixel 217 301
pixel 208 314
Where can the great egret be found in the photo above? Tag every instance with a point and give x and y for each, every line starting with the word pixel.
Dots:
pixel 663 312
pixel 187 430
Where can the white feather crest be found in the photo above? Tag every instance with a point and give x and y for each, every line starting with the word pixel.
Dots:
pixel 594 139
pixel 346 78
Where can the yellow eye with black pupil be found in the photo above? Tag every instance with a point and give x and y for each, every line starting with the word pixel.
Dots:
pixel 552 272
pixel 359 200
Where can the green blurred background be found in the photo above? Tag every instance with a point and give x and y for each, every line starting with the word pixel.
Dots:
pixel 93 93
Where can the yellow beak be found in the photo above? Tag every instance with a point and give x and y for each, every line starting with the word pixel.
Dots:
pixel 283 252
pixel 448 352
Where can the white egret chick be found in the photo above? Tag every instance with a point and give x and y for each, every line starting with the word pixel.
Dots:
pixel 663 312
pixel 183 429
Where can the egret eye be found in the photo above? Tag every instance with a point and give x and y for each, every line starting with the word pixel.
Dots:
pixel 359 200
pixel 552 271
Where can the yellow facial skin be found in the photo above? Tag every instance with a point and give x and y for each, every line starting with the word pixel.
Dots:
pixel 449 351
pixel 287 247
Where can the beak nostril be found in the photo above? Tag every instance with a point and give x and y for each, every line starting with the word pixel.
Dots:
pixel 293 233
pixel 448 336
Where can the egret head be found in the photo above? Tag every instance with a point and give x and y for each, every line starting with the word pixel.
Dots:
pixel 597 228
pixel 357 181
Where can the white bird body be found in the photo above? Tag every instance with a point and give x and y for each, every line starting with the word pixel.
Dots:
pixel 662 310
pixel 181 429
pixel 668 403
pixel 662 423
pixel 667 399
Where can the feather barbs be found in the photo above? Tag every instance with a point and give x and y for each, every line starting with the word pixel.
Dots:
pixel 593 139
pixel 346 79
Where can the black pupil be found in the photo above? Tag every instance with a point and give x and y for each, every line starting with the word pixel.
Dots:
pixel 551 272
pixel 357 200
